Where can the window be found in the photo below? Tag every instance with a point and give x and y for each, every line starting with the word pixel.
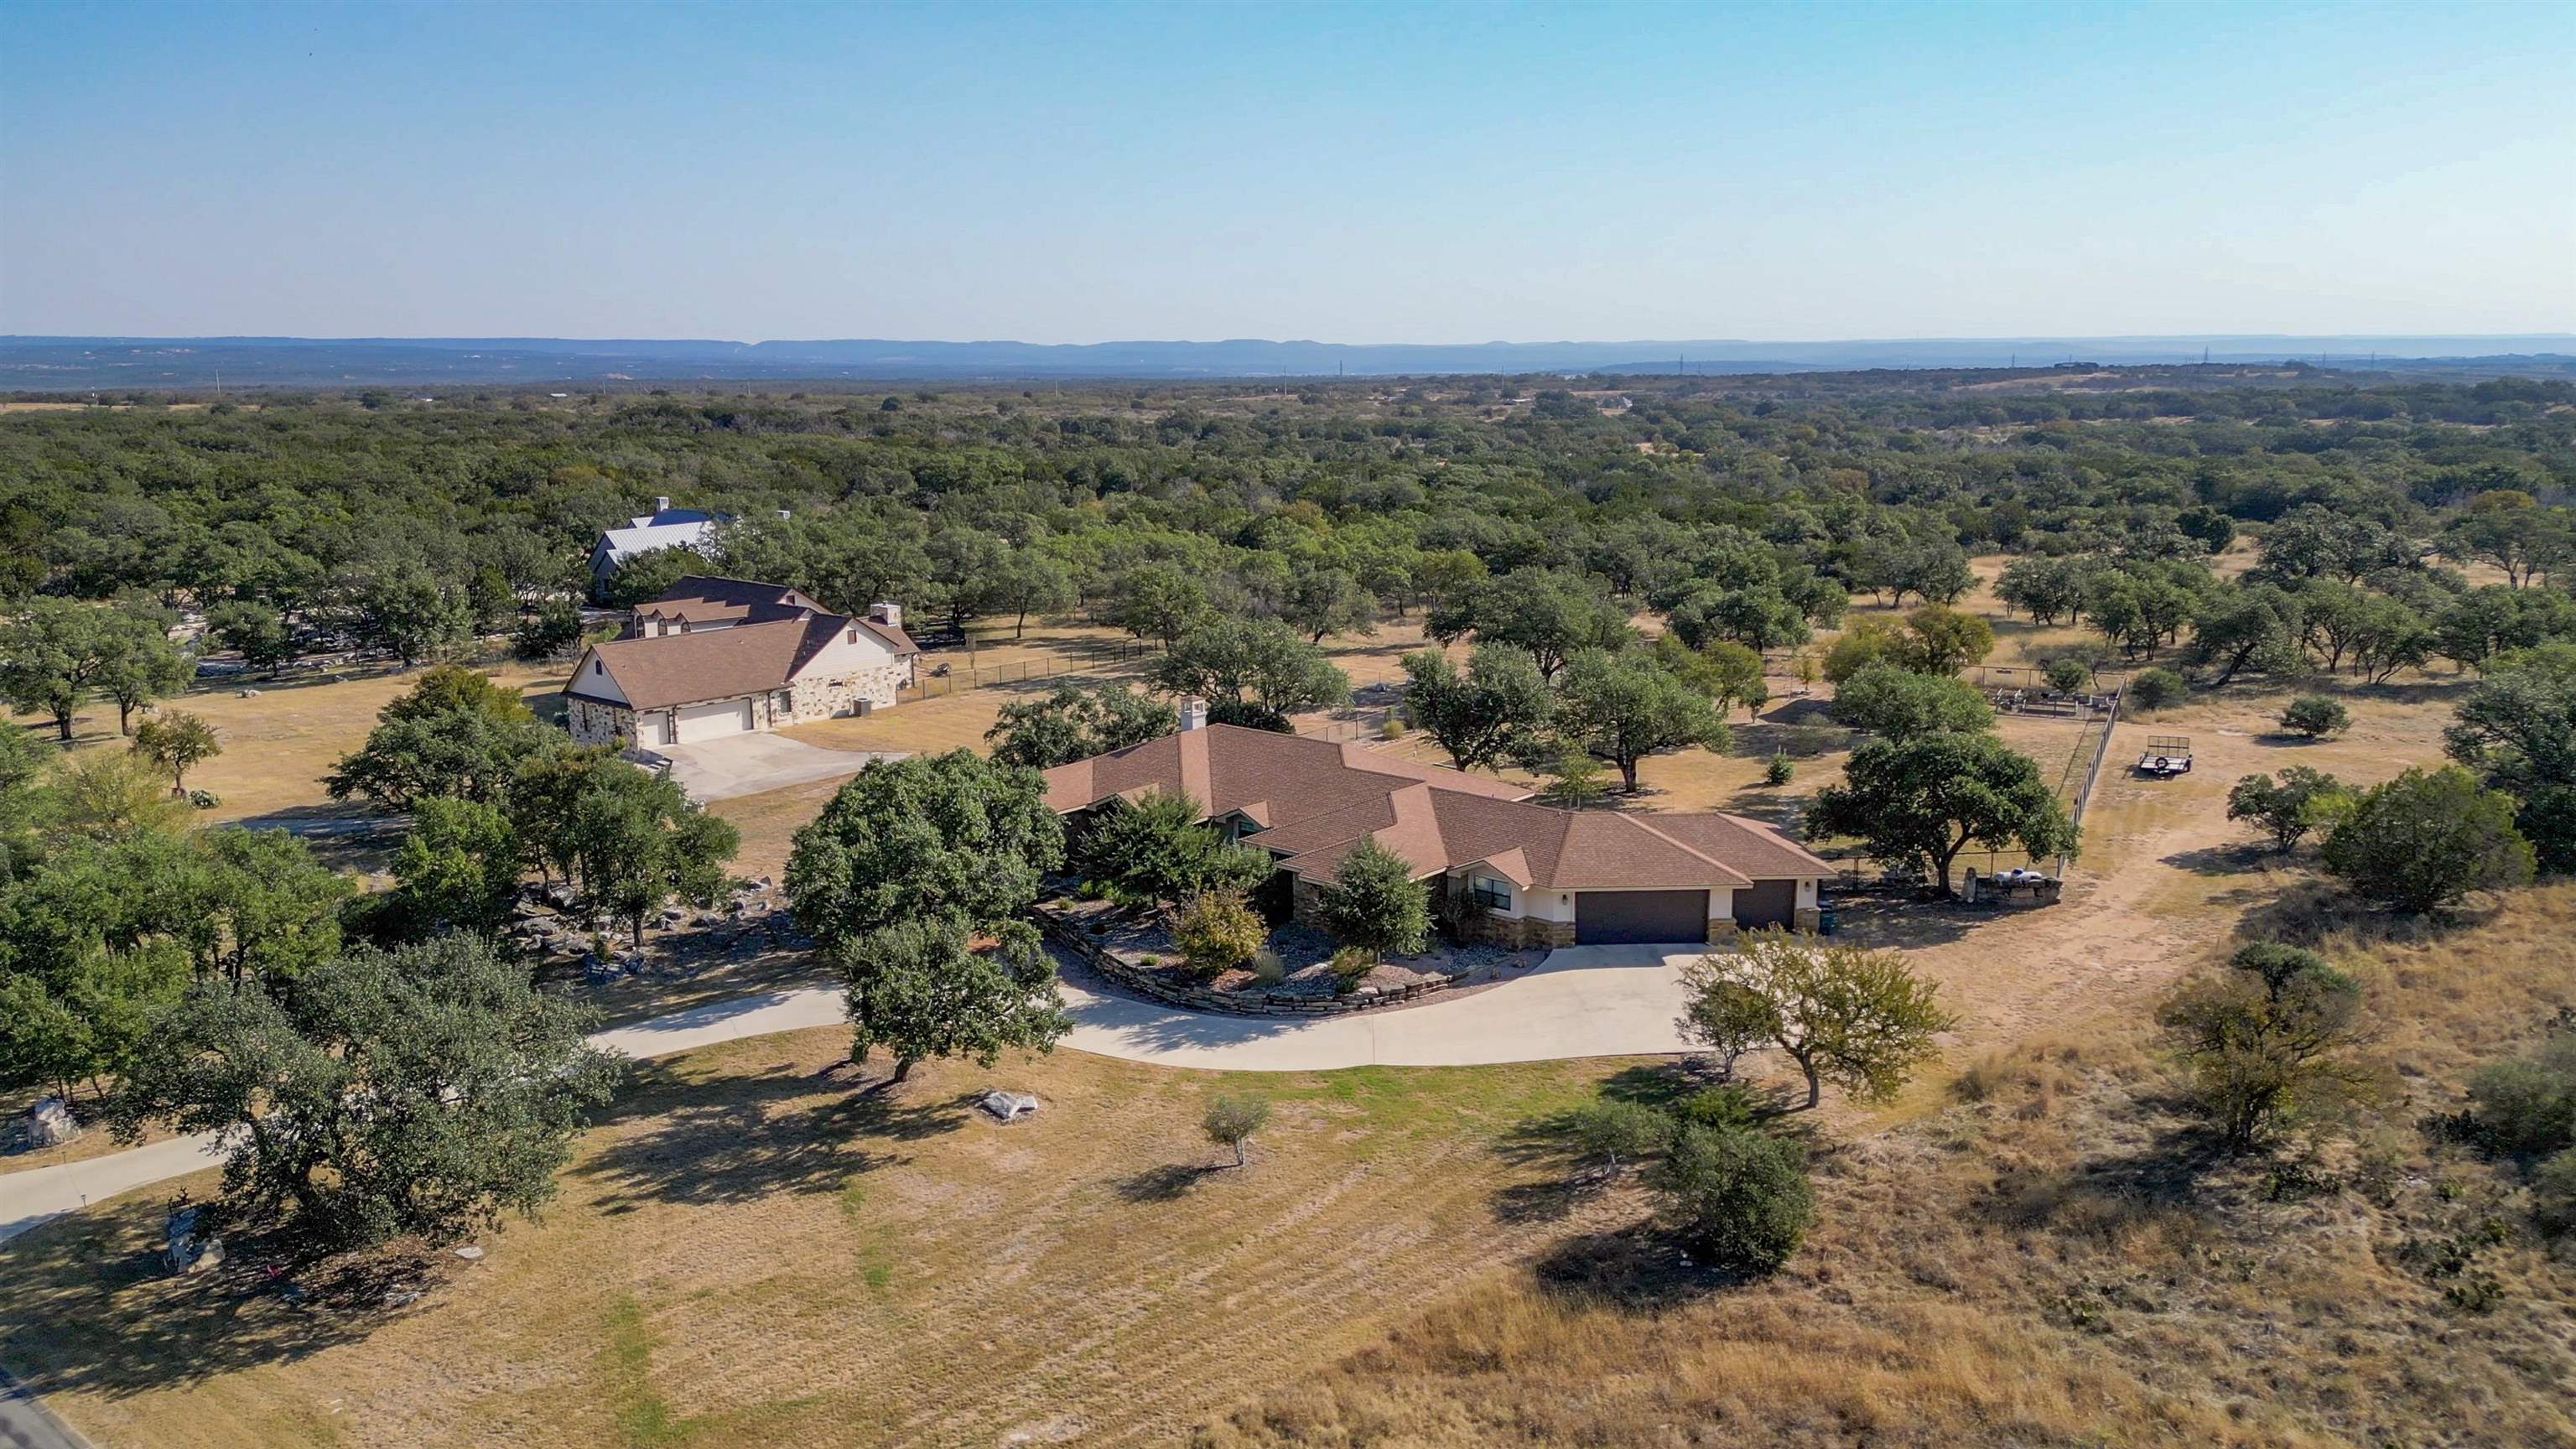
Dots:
pixel 1493 895
pixel 854 633
pixel 598 668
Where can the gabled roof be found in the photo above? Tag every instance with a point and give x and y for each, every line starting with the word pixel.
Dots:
pixel 621 544
pixel 713 599
pixel 670 669
pixel 1319 800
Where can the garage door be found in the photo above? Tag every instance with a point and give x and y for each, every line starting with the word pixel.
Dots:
pixel 1766 903
pixel 1613 918
pixel 707 721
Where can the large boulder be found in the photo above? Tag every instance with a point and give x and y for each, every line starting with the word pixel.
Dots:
pixel 49 1123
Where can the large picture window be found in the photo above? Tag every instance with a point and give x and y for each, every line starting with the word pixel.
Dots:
pixel 1493 895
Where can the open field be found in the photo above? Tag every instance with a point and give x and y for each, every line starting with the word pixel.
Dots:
pixel 751 1248
pixel 2049 1260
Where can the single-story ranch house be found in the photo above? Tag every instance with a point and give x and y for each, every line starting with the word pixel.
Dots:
pixel 714 657
pixel 1544 876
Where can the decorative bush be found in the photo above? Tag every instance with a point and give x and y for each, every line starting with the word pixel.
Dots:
pixel 1267 968
pixel 1350 964
pixel 1217 932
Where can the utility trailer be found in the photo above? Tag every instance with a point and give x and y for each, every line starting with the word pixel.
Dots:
pixel 2165 756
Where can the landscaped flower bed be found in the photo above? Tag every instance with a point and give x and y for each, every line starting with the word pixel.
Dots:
pixel 1133 947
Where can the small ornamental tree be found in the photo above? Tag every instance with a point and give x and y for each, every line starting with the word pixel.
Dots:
pixel 178 742
pixel 1845 1015
pixel 2315 716
pixel 1217 932
pixel 2261 1041
pixel 1374 903
pixel 2422 841
pixel 1898 704
pixel 2299 801
pixel 1230 1122
pixel 1155 847
pixel 919 989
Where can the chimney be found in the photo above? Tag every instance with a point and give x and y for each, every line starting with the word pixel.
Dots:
pixel 662 504
pixel 1193 712
pixel 890 615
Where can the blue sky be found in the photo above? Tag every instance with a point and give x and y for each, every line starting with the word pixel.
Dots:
pixel 1370 173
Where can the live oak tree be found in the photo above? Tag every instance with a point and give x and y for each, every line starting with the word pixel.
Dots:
pixel 1898 704
pixel 1727 672
pixel 950 836
pixel 1626 706
pixel 426 1091
pixel 178 742
pixel 637 840
pixel 924 988
pixel 1493 712
pixel 1853 1017
pixel 459 867
pixel 2422 841
pixel 1250 670
pixel 1074 724
pixel 454 733
pixel 139 663
pixel 1552 613
pixel 2517 728
pixel 56 653
pixel 2315 716
pixel 1374 903
pixel 2300 800
pixel 1938 639
pixel 415 615
pixel 1736 1196
pixel 255 630
pixel 1928 797
pixel 1322 599
pixel 2246 627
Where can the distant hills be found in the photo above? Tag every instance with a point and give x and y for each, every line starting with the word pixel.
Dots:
pixel 68 364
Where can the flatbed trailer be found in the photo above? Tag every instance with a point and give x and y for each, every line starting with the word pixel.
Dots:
pixel 2165 756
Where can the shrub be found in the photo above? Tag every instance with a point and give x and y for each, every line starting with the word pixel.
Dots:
pixel 2157 688
pixel 2553 1192
pixel 1393 729
pixel 1779 771
pixel 2261 1041
pixel 2302 800
pixel 2067 676
pixel 1267 968
pixel 2526 1106
pixel 2315 716
pixel 1737 1196
pixel 1350 964
pixel 2425 839
pixel 1217 932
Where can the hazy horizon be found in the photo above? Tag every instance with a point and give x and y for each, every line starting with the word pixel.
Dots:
pixel 1408 175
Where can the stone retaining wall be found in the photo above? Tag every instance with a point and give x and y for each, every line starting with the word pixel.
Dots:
pixel 1071 935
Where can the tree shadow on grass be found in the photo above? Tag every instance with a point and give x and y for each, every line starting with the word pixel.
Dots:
pixel 1169 1182
pixel 739 1138
pixel 2308 911
pixel 1572 1175
pixel 91 1309
pixel 1641 1268
pixel 2231 859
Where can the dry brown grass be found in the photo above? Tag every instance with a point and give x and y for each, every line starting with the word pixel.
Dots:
pixel 754 1249
pixel 2054 1261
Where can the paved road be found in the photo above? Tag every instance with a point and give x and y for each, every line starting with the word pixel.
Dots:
pixel 25 1423
pixel 749 764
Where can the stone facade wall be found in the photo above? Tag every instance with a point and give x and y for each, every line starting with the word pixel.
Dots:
pixel 828 698
pixel 593 723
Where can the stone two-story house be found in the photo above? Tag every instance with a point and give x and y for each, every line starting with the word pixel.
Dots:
pixel 716 657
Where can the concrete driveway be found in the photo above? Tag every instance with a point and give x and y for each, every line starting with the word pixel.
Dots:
pixel 1584 1001
pixel 749 764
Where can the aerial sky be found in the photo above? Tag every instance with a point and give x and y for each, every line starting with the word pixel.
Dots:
pixel 1369 173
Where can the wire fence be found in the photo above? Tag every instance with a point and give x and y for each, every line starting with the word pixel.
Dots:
pixel 1350 724
pixel 943 675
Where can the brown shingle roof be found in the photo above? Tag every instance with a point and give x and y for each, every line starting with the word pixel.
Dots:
pixel 689 668
pixel 1321 799
pixel 709 599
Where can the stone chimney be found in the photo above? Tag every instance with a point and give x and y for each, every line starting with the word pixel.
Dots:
pixel 890 615
pixel 662 504
pixel 1193 713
